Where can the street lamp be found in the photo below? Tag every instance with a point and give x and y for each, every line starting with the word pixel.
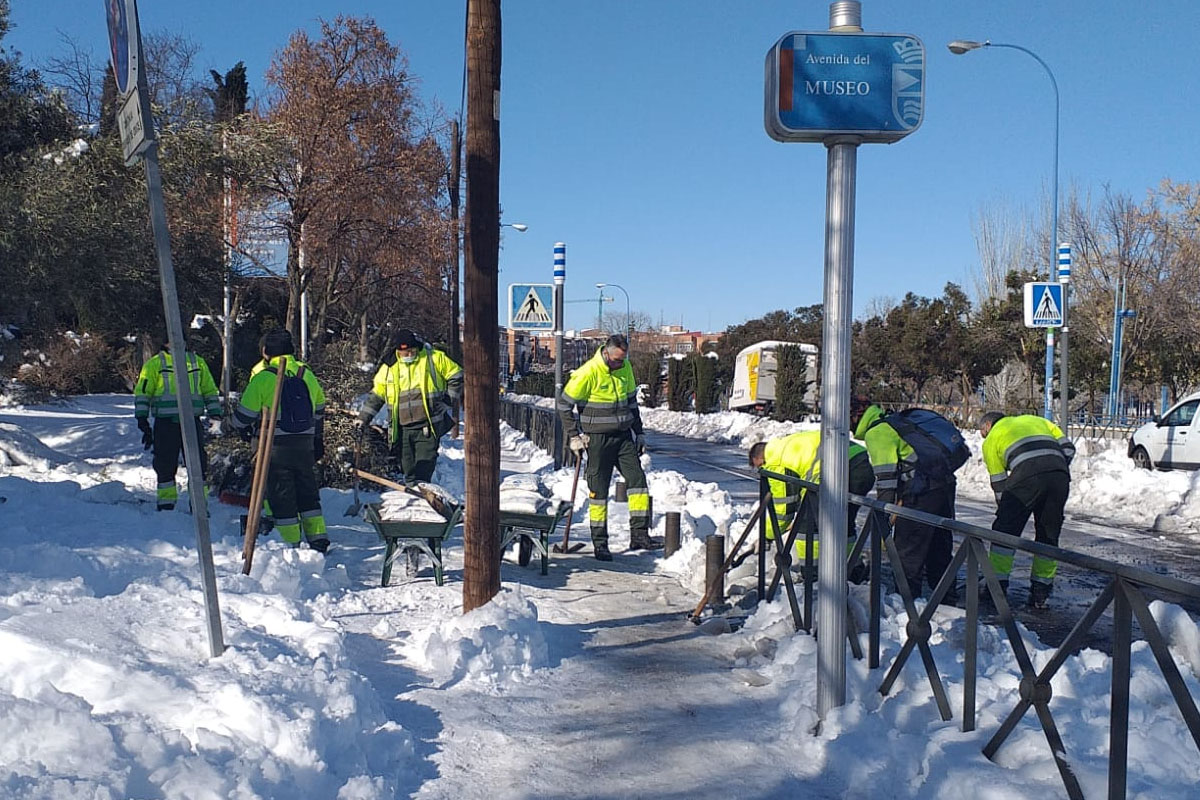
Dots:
pixel 628 314
pixel 517 226
pixel 959 47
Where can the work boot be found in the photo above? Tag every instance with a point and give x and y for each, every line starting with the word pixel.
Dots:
pixel 986 604
pixel 640 540
pixel 1039 596
pixel 859 574
pixel 166 506
pixel 601 551
pixel 320 545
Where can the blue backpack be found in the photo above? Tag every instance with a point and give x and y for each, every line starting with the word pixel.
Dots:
pixel 295 403
pixel 939 447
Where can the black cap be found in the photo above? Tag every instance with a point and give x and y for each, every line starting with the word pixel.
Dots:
pixel 406 338
pixel 859 402
pixel 278 343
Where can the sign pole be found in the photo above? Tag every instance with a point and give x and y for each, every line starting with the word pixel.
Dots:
pixel 841 180
pixel 1064 278
pixel 842 88
pixel 560 280
pixel 138 140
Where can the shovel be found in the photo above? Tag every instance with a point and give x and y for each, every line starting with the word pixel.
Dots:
pixel 565 546
pixel 356 507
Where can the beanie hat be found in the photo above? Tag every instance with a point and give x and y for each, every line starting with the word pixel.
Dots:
pixel 406 338
pixel 278 343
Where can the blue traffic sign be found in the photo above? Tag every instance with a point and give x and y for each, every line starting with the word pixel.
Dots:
pixel 531 306
pixel 1043 305
pixel 118 40
pixel 822 84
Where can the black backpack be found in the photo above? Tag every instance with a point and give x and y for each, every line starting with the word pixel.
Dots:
pixel 295 403
pixel 939 447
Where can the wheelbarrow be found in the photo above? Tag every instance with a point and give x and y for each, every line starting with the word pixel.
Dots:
pixel 412 539
pixel 531 532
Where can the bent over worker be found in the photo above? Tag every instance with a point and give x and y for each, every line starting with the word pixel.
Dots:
pixel 421 387
pixel 1029 460
pixel 298 442
pixel 609 428
pixel 154 395
pixel 799 455
pixel 925 550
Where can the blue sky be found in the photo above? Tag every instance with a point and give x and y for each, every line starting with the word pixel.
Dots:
pixel 633 131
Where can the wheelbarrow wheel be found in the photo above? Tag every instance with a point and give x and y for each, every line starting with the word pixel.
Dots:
pixel 524 551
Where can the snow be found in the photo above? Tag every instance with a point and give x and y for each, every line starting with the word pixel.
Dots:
pixel 587 682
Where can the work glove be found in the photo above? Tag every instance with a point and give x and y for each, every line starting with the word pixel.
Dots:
pixel 318 448
pixel 640 443
pixel 578 443
pixel 147 433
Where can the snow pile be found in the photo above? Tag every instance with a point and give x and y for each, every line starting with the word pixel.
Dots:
pixel 518 448
pixel 494 647
pixel 23 449
pixel 928 758
pixel 722 426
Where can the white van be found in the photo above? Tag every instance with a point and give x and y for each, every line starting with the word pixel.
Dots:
pixel 754 376
pixel 1172 442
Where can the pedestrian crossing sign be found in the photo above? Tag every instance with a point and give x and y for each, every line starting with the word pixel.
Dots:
pixel 1043 305
pixel 531 306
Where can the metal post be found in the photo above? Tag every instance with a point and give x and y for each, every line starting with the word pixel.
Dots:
pixel 714 559
pixel 1064 280
pixel 841 174
pixel 671 535
pixel 560 281
pixel 227 294
pixel 303 299
pixel 183 399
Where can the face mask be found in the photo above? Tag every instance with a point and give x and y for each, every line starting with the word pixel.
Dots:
pixel 613 363
pixel 408 359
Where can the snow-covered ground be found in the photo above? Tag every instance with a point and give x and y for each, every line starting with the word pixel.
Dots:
pixel 583 683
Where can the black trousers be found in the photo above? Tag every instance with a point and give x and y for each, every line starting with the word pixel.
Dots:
pixel 168 446
pixel 292 478
pixel 416 449
pixel 925 551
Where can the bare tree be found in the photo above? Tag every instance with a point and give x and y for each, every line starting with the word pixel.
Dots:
pixel 1004 239
pixel 77 76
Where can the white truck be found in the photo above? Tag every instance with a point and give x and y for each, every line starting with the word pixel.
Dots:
pixel 754 376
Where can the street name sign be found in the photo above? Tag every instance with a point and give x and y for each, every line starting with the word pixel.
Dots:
pixel 531 306
pixel 822 84
pixel 133 115
pixel 1043 305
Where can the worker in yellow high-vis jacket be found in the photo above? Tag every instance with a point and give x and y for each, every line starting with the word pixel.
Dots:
pixel 422 387
pixel 154 396
pixel 298 442
pixel 609 428
pixel 1029 460
pixel 799 455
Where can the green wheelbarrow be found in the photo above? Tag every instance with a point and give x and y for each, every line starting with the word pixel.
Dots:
pixel 531 532
pixel 412 539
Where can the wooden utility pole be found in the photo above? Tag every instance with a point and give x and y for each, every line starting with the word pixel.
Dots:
pixel 455 181
pixel 481 358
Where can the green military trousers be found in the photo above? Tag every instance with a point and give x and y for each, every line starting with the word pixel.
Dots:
pixel 605 451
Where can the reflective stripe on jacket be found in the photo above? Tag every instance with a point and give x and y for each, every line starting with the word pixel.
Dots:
pixel 154 391
pixel 1017 448
pixel 422 392
pixel 892 458
pixel 607 399
pixel 260 392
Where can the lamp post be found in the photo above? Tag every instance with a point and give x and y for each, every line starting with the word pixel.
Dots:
pixel 1120 314
pixel 628 313
pixel 520 227
pixel 959 47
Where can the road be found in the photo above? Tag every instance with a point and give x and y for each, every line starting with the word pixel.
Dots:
pixel 1075 589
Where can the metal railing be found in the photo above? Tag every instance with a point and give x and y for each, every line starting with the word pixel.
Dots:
pixel 1123 592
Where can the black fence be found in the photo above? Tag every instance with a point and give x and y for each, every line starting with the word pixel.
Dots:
pixel 540 426
pixel 1122 591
